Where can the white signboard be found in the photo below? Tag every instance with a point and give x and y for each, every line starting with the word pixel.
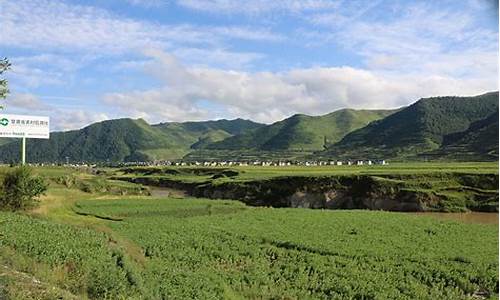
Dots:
pixel 18 126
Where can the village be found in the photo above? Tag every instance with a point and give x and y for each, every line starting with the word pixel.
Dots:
pixel 229 163
pixel 269 163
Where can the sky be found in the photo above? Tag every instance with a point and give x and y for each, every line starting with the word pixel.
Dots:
pixel 81 62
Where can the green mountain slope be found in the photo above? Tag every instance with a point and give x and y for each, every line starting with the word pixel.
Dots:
pixel 197 134
pixel 124 140
pixel 418 128
pixel 478 142
pixel 301 132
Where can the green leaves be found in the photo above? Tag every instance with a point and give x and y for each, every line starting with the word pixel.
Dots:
pixel 20 189
pixel 4 66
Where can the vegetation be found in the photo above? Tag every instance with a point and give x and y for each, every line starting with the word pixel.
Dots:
pixel 418 128
pixel 98 245
pixel 441 128
pixel 301 132
pixel 4 90
pixel 480 140
pixel 20 189
pixel 124 140
pixel 218 249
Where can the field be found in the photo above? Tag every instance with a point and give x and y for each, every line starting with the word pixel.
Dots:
pixel 95 238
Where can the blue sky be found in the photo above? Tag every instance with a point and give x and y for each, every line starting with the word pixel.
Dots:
pixel 178 60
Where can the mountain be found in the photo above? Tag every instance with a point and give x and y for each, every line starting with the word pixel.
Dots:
pixel 478 142
pixel 198 134
pixel 125 140
pixel 424 126
pixel 438 128
pixel 301 132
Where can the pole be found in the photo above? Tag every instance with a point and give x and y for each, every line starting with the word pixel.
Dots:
pixel 23 151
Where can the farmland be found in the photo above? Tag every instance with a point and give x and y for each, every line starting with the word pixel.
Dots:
pixel 96 238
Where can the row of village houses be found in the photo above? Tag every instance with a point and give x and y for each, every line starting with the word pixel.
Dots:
pixel 266 163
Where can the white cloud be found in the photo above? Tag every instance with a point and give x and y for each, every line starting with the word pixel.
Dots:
pixel 218 57
pixel 258 7
pixel 47 61
pixel 26 102
pixel 75 119
pixel 148 3
pixel 61 118
pixel 420 38
pixel 47 24
pixel 268 96
pixel 33 77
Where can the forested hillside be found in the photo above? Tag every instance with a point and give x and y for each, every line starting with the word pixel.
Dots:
pixel 302 132
pixel 419 128
pixel 438 128
pixel 124 140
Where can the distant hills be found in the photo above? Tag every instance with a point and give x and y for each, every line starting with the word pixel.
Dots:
pixel 126 140
pixel 438 128
pixel 301 132
pixel 419 128
pixel 478 142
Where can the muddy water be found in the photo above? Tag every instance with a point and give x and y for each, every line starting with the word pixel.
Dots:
pixel 163 192
pixel 470 217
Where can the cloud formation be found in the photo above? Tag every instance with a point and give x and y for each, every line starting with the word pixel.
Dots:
pixel 258 7
pixel 270 96
pixel 263 60
pixel 46 24
pixel 62 118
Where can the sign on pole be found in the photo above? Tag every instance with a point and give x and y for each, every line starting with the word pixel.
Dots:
pixel 22 126
pixel 19 126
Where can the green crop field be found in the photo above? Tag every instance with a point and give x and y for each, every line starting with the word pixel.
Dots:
pixel 100 239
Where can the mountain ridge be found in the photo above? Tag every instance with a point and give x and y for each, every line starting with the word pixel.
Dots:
pixel 435 128
pixel 302 132
pixel 417 128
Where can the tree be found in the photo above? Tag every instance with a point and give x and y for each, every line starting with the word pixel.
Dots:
pixel 20 189
pixel 4 90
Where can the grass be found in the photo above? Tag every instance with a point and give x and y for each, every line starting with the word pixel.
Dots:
pixel 104 245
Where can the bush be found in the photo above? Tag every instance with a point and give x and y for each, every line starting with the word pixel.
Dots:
pixel 20 189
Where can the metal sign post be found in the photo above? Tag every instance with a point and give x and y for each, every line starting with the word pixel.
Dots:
pixel 23 152
pixel 22 126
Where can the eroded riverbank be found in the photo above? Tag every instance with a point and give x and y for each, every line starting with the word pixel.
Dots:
pixel 432 192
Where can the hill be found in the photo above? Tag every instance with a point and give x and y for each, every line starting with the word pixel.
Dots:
pixel 124 140
pixel 438 128
pixel 420 127
pixel 302 132
pixel 478 142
